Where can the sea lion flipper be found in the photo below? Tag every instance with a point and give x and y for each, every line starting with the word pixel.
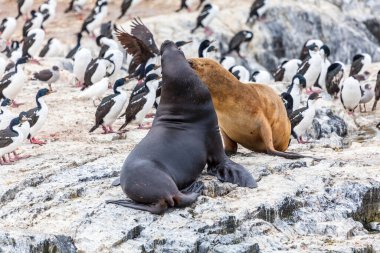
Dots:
pixel 158 208
pixel 229 171
pixel 116 182
pixel 196 187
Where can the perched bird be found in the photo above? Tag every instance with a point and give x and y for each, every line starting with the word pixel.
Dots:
pixel 140 104
pixel 287 70
pixel 73 51
pixel 377 91
pixel 38 116
pixel 350 94
pixel 359 64
pixel 261 76
pixel 116 57
pixel 106 44
pixel 206 48
pixel 33 23
pixel 334 77
pixel 367 95
pixel 110 107
pixel 295 90
pixel 311 67
pixel 12 82
pixel 126 5
pixel 140 45
pixel 95 19
pixel 5 114
pixel 305 52
pixel 53 48
pixel 96 90
pixel 7 28
pixel 238 39
pixel 321 81
pixel 81 60
pixel 24 7
pixel 96 70
pixel 48 76
pixel 76 5
pixel 11 138
pixel 32 44
pixel 207 14
pixel 48 10
pixel 302 118
pixel 241 73
pixel 256 11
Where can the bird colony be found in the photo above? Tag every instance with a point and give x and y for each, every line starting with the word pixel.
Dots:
pixel 112 71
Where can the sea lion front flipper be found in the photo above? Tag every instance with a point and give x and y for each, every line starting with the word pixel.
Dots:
pixel 229 171
pixel 196 187
pixel 158 208
pixel 116 182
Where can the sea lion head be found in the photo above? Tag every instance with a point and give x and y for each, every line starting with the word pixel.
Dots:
pixel 169 47
pixel 202 66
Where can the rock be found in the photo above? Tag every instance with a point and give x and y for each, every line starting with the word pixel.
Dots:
pixel 326 124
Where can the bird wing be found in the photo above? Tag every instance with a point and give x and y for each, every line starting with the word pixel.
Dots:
pixel 236 41
pixel 5 82
pixel 45 49
pixel 296 116
pixel 28 42
pixel 304 66
pixel 43 75
pixel 333 77
pixel 6 137
pixel 139 89
pixel 135 105
pixel 204 13
pixel 104 108
pixel 32 115
pixel 357 65
pixel 140 31
pixel 134 46
pixel 304 52
pixel 90 70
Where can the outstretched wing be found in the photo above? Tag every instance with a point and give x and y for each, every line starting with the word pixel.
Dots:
pixel 134 46
pixel 140 31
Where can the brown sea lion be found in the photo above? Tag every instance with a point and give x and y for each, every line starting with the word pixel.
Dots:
pixel 252 115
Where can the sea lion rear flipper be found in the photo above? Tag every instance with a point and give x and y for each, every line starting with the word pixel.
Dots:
pixel 229 171
pixel 116 182
pixel 196 187
pixel 158 208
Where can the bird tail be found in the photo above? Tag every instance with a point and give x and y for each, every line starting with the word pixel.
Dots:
pixel 94 128
pixel 123 126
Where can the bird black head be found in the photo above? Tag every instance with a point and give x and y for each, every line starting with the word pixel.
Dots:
pixel 152 77
pixel 205 44
pixel 119 82
pixel 299 79
pixel 181 43
pixel 314 96
pixel 22 60
pixel 212 49
pixel 55 68
pixel 326 50
pixel 33 13
pixel 42 92
pixel 313 47
pixel 6 102
pixel 98 39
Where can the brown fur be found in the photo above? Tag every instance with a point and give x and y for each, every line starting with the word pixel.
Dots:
pixel 252 115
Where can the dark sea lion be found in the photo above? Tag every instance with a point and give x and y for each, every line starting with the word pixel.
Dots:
pixel 250 114
pixel 161 170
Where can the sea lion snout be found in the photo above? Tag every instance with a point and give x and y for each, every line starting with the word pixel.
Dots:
pixel 166 44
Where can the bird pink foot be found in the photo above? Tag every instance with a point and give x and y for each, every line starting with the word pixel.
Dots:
pixel 15 104
pixel 38 142
pixel 147 126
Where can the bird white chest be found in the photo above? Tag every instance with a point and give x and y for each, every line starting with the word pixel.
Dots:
pixel 5 118
pixel 307 121
pixel 322 79
pixel 17 83
pixel 42 118
pixel 291 68
pixel 116 109
pixel 314 70
pixel 10 29
pixel 351 94
pixel 296 95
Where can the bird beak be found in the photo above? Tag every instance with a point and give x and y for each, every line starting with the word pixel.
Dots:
pixel 24 119
pixel 157 67
pixel 158 77
pixel 212 41
pixel 188 42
